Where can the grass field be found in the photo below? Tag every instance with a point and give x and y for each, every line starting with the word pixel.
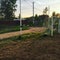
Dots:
pixel 6 29
pixel 35 47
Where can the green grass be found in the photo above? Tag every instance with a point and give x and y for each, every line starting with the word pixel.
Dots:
pixel 38 46
pixel 20 38
pixel 7 41
pixel 9 29
pixel 6 29
pixel 25 28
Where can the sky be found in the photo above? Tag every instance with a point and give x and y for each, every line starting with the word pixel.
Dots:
pixel 39 5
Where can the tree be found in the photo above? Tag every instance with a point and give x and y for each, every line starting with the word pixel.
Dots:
pixel 36 17
pixel 45 11
pixel 58 15
pixel 19 16
pixel 8 9
pixel 53 14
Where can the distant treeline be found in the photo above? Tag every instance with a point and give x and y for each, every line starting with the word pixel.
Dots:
pixel 38 20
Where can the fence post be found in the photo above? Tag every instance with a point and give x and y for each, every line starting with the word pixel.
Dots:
pixel 52 26
pixel 59 26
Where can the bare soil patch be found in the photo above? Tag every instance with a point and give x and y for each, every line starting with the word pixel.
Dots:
pixel 42 48
pixel 31 30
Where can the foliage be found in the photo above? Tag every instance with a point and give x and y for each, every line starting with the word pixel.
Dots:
pixel 13 28
pixel 45 10
pixel 25 27
pixel 8 9
pixel 38 20
pixel 6 29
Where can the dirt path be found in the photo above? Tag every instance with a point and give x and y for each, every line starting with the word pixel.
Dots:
pixel 31 30
pixel 34 48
